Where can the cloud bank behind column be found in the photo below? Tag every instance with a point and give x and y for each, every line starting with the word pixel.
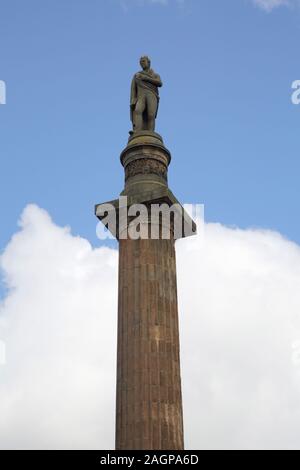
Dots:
pixel 240 336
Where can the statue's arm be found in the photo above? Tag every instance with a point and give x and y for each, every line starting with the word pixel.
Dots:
pixel 155 79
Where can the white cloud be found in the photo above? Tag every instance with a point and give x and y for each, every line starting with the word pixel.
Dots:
pixel 266 5
pixel 58 323
pixel 240 327
pixel 240 315
pixel 269 5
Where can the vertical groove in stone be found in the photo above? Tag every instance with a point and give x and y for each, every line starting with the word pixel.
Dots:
pixel 149 403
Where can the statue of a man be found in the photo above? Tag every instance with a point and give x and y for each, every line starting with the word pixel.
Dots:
pixel 144 98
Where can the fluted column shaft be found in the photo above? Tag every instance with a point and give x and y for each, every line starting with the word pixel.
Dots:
pixel 149 402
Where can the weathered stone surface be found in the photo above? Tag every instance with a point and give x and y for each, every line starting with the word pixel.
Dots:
pixel 144 97
pixel 145 161
pixel 159 194
pixel 149 404
pixel 140 166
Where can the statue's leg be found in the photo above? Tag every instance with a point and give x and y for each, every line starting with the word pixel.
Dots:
pixel 151 108
pixel 138 114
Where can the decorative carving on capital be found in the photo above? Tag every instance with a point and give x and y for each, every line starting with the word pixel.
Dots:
pixel 146 167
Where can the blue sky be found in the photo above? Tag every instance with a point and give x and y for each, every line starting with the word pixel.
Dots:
pixel 226 111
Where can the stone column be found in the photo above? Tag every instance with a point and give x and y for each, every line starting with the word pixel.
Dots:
pixel 149 402
pixel 149 405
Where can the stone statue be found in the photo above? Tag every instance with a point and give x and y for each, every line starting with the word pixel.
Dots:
pixel 144 98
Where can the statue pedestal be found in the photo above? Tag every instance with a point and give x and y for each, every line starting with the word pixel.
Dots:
pixel 145 161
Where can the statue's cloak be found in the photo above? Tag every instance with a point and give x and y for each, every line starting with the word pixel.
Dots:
pixel 142 84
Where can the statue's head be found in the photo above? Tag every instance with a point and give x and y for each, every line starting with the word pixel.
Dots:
pixel 145 62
